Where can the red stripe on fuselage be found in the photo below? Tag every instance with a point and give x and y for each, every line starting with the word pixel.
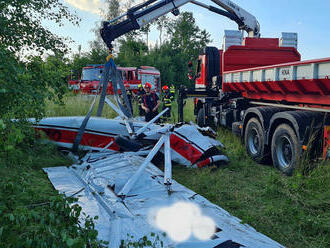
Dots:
pixel 181 146
pixel 88 139
pixel 185 149
pixel 203 163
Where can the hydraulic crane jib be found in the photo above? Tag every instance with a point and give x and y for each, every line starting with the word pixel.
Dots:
pixel 145 13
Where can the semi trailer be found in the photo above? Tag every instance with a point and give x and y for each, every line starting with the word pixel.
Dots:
pixel 258 87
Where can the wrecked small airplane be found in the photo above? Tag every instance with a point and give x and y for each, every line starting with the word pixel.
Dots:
pixel 188 146
pixel 134 200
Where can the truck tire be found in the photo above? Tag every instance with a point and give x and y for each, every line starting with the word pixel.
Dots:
pixel 205 121
pixel 285 149
pixel 201 118
pixel 254 140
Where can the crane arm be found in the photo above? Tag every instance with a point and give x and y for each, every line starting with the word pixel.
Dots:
pixel 248 22
pixel 144 13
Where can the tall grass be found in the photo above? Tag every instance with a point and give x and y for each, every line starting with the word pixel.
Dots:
pixel 77 105
pixel 188 114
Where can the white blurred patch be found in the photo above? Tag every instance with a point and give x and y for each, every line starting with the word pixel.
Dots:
pixel 203 228
pixel 92 6
pixel 182 220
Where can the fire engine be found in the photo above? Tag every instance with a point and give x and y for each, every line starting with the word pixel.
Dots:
pixel 132 77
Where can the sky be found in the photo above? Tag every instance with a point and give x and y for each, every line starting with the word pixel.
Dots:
pixel 309 19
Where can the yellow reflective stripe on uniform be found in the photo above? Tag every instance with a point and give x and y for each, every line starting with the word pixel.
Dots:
pixel 167 100
pixel 172 89
pixel 110 56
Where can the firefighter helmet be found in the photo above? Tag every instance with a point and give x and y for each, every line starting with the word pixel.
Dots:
pixel 165 87
pixel 147 85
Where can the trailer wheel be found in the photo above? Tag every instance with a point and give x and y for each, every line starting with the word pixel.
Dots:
pixel 254 140
pixel 285 149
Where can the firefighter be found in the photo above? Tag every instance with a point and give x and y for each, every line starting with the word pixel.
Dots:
pixel 172 90
pixel 167 101
pixel 150 103
pixel 129 96
pixel 140 93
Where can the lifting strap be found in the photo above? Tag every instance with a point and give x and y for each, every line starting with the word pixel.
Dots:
pixel 110 71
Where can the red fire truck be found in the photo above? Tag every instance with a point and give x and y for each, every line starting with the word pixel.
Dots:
pixel 132 77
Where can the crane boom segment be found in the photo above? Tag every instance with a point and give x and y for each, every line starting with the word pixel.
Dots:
pixel 145 13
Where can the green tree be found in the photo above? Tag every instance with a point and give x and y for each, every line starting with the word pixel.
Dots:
pixel 113 10
pixel 186 40
pixel 25 86
pixel 186 36
pixel 131 52
pixel 20 24
pixel 146 30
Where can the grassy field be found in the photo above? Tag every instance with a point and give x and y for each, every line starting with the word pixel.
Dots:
pixel 294 211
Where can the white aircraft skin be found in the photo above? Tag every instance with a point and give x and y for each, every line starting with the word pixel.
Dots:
pixel 188 145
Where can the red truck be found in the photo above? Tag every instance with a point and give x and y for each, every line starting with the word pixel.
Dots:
pixel 262 90
pixel 258 87
pixel 132 77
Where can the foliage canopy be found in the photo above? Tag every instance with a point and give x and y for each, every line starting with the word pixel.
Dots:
pixel 21 27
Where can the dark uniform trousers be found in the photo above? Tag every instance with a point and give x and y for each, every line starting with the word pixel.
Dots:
pixel 167 99
pixel 140 95
pixel 129 97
